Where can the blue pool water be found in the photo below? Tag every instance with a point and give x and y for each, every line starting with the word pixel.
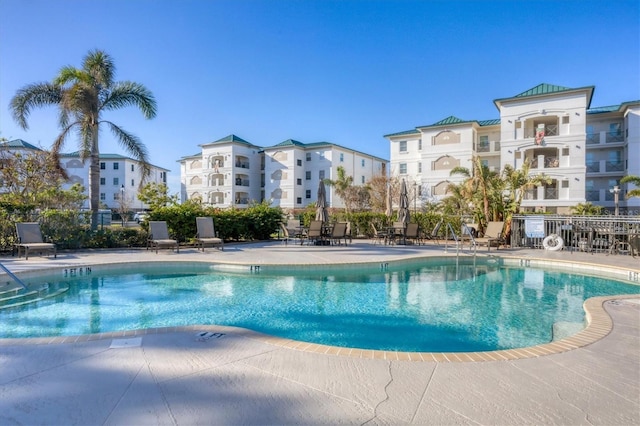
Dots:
pixel 419 307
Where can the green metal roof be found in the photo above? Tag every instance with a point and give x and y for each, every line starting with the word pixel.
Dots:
pixel 492 122
pixel 232 138
pixel 542 89
pixel 406 132
pixel 547 89
pixel 599 110
pixel 19 143
pixel 290 142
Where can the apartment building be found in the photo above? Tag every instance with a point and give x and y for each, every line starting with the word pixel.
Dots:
pixel 585 151
pixel 234 172
pixel 119 175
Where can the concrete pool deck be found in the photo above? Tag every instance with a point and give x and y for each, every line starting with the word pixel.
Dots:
pixel 231 377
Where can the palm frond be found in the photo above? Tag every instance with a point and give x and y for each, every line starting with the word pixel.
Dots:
pixel 127 93
pixel 101 67
pixel 33 95
pixel 133 146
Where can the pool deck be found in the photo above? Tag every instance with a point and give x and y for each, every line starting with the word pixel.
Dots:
pixel 234 376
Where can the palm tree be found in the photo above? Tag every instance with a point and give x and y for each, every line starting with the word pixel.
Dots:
pixel 82 95
pixel 342 186
pixel 480 181
pixel 634 180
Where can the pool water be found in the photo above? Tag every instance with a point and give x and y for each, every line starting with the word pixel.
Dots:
pixel 419 307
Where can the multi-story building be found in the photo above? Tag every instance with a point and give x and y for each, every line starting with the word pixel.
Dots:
pixel 119 176
pixel 234 172
pixel 585 151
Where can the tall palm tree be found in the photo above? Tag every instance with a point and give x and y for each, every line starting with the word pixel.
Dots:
pixel 82 95
pixel 481 181
pixel 342 186
pixel 634 180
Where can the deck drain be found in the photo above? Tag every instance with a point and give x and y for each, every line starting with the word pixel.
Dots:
pixel 134 342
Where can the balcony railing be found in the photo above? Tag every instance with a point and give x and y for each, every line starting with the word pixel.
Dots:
pixel 549 130
pixel 593 167
pixel 614 166
pixel 484 147
pixel 614 137
pixel 593 138
pixel 592 195
pixel 550 194
pixel 549 162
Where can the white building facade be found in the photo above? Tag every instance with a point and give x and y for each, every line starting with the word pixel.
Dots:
pixel 119 176
pixel 233 172
pixel 585 151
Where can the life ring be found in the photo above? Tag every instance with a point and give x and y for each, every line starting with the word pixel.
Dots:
pixel 539 137
pixel 553 242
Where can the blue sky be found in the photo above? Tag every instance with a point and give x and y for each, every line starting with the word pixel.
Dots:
pixel 346 72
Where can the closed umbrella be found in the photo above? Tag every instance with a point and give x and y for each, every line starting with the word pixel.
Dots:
pixel 321 204
pixel 389 211
pixel 403 209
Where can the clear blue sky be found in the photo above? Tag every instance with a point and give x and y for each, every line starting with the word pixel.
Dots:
pixel 345 72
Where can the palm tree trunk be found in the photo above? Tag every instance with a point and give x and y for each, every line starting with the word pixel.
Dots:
pixel 94 180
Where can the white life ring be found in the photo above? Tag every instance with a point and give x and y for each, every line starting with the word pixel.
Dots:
pixel 553 242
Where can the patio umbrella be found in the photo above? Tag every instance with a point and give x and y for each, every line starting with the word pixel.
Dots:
pixel 321 204
pixel 403 210
pixel 389 210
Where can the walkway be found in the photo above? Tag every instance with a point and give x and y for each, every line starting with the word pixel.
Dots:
pixel 232 377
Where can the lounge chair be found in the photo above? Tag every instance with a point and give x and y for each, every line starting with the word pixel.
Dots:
pixel 314 233
pixel 206 235
pixel 492 236
pixel 378 236
pixel 339 233
pixel 159 236
pixel 433 235
pixel 412 233
pixel 30 240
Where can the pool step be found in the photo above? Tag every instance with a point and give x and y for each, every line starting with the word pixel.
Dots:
pixel 11 299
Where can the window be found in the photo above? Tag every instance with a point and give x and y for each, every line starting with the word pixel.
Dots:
pixel 362 180
pixel 419 144
pixel 403 168
pixel 307 194
pixel 116 181
pixel 565 183
pixel 483 144
pixel 565 119
pixel 565 152
pixel 321 155
pixel 299 181
pixel 403 146
pixel 362 162
pixel 308 156
pixel 132 168
pixel 419 167
pixel 116 196
pixel 103 166
pixel 307 175
pixel 321 174
pixel 133 182
pixel 103 196
pixel 116 166
pixel 615 129
pixel 299 162
pixel 298 200
pixel 103 181
pixel 342 157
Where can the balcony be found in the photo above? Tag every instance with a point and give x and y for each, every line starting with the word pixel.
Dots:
pixel 592 195
pixel 593 139
pixel 549 162
pixel 614 166
pixel 593 167
pixel 613 137
pixel 549 130
pixel 550 194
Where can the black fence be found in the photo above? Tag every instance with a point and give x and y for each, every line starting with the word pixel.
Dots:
pixel 611 234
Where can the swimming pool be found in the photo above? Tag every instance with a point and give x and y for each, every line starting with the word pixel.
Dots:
pixel 434 305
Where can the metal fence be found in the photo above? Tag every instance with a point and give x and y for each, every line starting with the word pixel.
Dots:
pixel 612 234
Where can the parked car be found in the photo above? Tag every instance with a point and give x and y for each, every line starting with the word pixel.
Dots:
pixel 140 217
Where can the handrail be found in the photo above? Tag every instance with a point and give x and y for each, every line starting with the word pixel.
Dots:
pixel 455 238
pixel 467 230
pixel 12 275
